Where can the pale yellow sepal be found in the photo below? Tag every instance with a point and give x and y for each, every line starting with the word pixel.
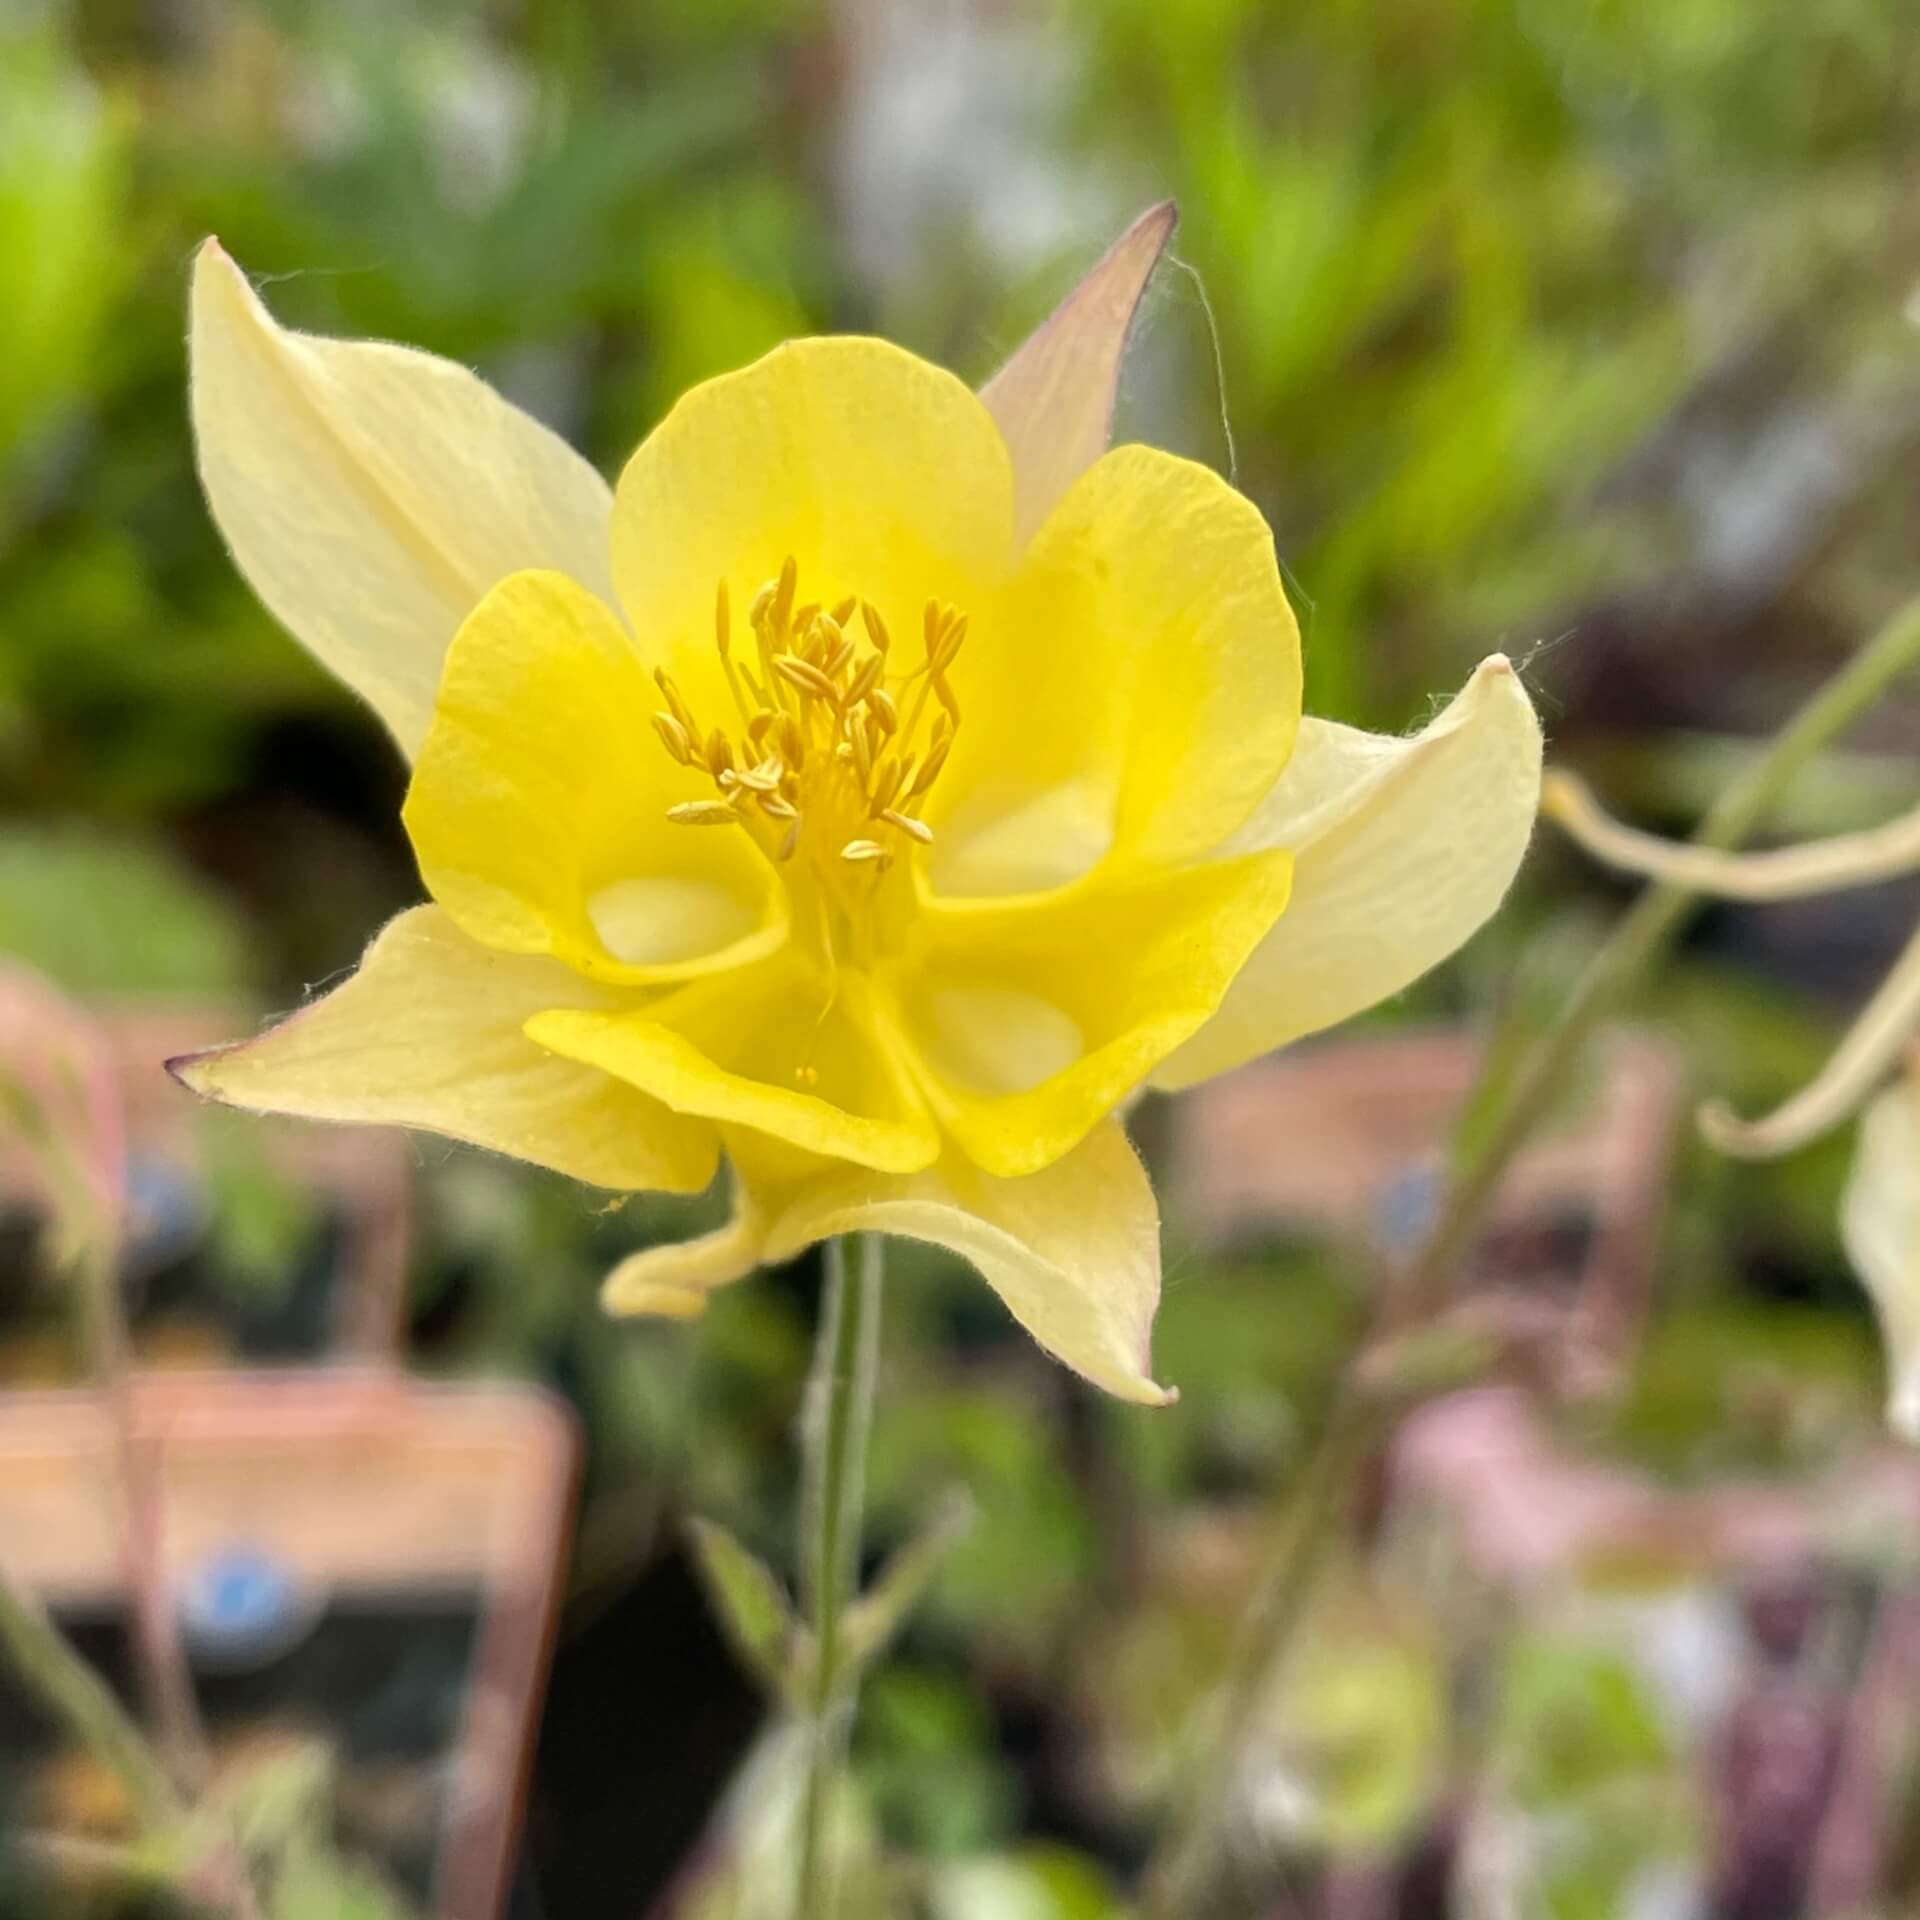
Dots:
pixel 1053 400
pixel 1880 1224
pixel 1403 848
pixel 372 494
pixel 1074 1251
pixel 427 1033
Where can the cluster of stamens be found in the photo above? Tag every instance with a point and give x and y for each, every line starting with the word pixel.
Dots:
pixel 827 736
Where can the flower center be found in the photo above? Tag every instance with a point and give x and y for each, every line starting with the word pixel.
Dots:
pixel 829 768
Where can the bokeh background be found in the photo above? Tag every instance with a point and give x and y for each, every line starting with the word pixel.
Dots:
pixel 1583 329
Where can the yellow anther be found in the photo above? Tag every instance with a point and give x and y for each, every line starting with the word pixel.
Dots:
pixel 758 725
pixel 719 754
pixel 806 676
pixel 875 626
pixel 858 850
pixel 673 736
pixel 883 784
pixel 859 750
pixel 778 807
pixel 766 777
pixel 843 611
pixel 681 711
pixel 703 813
pixel 783 593
pixel 908 825
pixel 952 635
pixel 762 605
pixel 930 771
pixel 866 677
pixel 880 705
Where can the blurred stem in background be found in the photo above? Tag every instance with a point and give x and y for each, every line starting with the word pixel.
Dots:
pixel 160 1661
pixel 84 1706
pixel 839 1417
pixel 1502 1117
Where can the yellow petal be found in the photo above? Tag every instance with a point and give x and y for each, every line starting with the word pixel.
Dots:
pixel 1882 1031
pixel 1880 1223
pixel 1137 696
pixel 371 494
pixel 1402 848
pixel 539 802
pixel 1031 1022
pixel 772 1047
pixel 879 473
pixel 674 1280
pixel 1074 1252
pixel 1054 399
pixel 428 1034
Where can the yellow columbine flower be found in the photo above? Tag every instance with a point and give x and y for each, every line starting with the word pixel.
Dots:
pixel 878 788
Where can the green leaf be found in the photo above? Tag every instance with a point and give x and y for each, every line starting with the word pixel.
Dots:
pixel 103 915
pixel 752 1604
pixel 878 1615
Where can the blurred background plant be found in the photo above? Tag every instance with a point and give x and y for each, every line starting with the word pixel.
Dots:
pixel 1587 330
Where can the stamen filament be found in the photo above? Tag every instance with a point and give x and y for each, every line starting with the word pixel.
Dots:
pixel 821 736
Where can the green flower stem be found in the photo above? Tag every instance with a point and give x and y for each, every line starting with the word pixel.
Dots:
pixel 839 1415
pixel 74 1695
pixel 1177 1876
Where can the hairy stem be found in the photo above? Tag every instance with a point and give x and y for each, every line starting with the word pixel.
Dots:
pixel 839 1415
pixel 1179 1872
